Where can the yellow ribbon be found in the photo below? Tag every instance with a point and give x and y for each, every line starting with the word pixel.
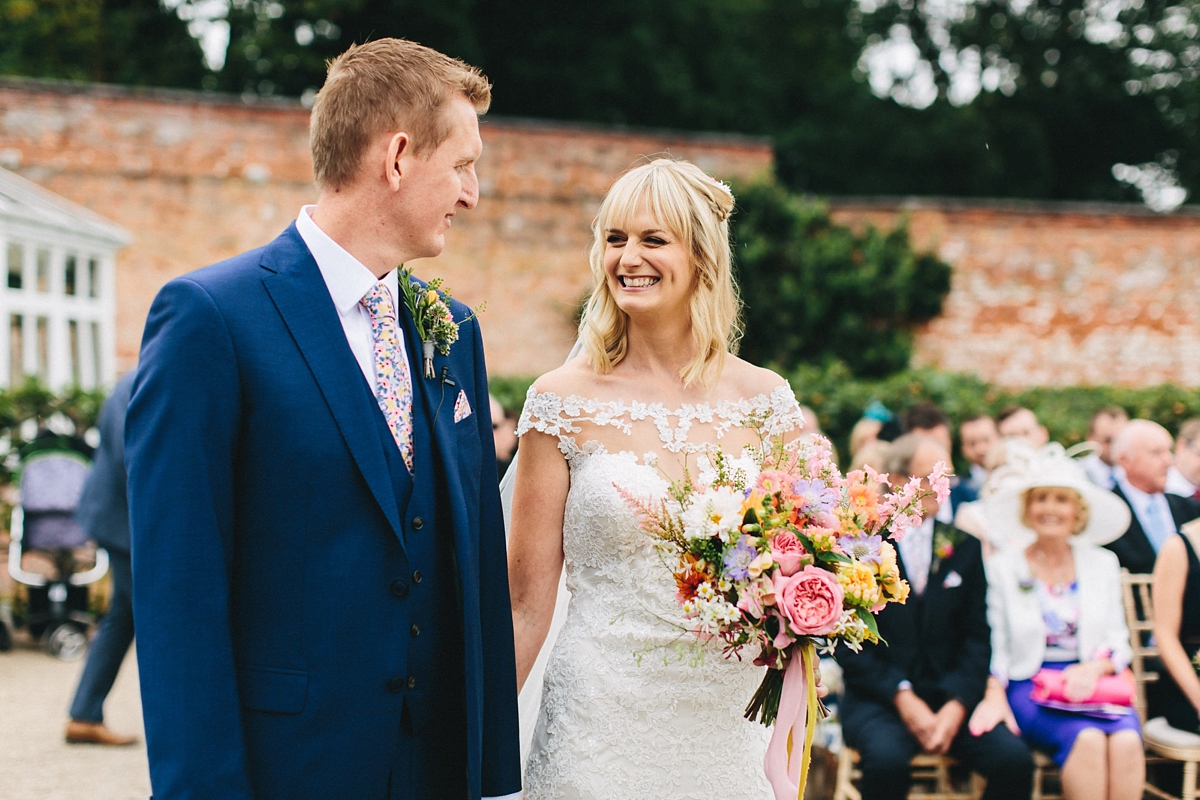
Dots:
pixel 808 664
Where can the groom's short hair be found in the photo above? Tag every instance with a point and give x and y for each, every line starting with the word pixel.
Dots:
pixel 386 85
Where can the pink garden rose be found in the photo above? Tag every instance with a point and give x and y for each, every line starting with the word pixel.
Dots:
pixel 787 551
pixel 810 601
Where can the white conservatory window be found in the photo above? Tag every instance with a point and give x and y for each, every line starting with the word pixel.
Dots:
pixel 57 300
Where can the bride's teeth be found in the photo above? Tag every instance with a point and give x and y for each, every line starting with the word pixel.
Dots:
pixel 635 283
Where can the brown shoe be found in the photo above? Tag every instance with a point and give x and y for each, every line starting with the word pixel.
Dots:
pixel 95 733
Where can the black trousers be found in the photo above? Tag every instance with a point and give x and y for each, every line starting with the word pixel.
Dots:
pixel 887 747
pixel 108 649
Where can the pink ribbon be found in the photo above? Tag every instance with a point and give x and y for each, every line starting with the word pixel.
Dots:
pixel 781 764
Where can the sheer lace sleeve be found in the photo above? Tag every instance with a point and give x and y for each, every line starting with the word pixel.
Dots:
pixel 545 412
pixel 783 412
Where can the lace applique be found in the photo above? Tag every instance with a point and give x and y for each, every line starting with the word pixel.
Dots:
pixel 560 417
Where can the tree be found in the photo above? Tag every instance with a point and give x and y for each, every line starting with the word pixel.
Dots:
pixel 1074 87
pixel 110 41
pixel 816 292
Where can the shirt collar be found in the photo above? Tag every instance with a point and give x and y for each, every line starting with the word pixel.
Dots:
pixel 1141 500
pixel 347 279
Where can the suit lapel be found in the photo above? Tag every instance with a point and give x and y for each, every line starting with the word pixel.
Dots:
pixel 302 299
pixel 1135 537
pixel 433 400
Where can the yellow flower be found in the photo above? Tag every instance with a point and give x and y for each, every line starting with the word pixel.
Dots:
pixel 859 582
pixel 887 560
pixel 431 297
pixel 895 589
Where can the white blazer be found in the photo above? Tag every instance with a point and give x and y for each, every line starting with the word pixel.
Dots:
pixel 1018 631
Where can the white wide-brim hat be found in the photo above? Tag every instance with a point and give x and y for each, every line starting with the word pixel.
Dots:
pixel 1051 467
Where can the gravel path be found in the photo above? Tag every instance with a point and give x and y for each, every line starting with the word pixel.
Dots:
pixel 35 762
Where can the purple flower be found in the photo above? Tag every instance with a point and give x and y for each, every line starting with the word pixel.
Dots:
pixel 817 496
pixel 862 548
pixel 738 558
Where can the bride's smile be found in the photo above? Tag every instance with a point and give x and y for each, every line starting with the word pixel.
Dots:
pixel 647 267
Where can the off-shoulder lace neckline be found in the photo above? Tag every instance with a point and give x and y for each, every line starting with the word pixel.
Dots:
pixel 557 416
pixel 719 408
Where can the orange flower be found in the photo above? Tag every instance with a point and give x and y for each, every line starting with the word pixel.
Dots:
pixel 690 576
pixel 865 500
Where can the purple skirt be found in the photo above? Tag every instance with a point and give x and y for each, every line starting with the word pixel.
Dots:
pixel 1053 731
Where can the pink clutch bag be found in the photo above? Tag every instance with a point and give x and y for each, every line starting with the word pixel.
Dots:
pixel 1116 690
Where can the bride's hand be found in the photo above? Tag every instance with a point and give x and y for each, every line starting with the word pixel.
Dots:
pixel 769 657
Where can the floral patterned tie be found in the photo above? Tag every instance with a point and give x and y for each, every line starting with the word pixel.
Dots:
pixel 393 383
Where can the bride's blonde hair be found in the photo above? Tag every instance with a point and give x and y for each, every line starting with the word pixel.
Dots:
pixel 695 207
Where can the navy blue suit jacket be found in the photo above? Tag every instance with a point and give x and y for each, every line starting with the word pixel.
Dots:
pixel 268 544
pixel 103 510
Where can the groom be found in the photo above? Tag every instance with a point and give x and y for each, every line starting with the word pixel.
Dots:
pixel 320 588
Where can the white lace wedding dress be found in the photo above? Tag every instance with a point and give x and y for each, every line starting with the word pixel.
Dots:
pixel 627 713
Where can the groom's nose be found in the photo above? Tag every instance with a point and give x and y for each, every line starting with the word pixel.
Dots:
pixel 469 197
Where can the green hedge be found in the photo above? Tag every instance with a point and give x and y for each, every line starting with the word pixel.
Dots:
pixel 839 399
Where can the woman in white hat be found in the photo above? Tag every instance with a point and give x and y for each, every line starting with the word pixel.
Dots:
pixel 1054 603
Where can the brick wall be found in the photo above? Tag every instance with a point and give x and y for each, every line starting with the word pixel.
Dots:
pixel 197 179
pixel 1057 293
pixel 1042 293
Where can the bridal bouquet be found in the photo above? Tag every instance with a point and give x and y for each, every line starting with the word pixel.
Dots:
pixel 781 553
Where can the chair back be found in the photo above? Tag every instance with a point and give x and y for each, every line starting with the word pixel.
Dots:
pixel 1139 618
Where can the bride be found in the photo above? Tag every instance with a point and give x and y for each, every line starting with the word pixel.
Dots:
pixel 632 705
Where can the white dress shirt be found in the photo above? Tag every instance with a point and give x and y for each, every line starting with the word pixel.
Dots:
pixel 348 282
pixel 916 550
pixel 1099 473
pixel 1152 512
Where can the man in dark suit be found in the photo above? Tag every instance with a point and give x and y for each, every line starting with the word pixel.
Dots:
pixel 915 693
pixel 1143 452
pixel 104 514
pixel 320 586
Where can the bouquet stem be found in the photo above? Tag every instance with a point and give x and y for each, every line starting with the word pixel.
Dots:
pixel 764 706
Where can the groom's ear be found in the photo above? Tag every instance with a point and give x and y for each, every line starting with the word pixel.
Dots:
pixel 399 147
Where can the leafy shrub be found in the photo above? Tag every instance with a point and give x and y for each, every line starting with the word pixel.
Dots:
pixel 816 292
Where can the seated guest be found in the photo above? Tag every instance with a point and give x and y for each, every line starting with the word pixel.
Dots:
pixel 864 433
pixel 977 435
pixel 1177 628
pixel 1183 478
pixel 1143 451
pixel 1103 427
pixel 914 694
pixel 504 433
pixel 1054 603
pixel 1018 422
pixel 927 419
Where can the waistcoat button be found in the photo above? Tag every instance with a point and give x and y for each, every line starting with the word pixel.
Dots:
pixel 418 523
pixel 415 631
pixel 412 683
pixel 417 576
